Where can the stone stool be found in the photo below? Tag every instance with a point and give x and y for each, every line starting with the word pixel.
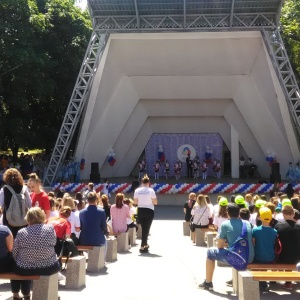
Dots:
pixel 45 288
pixel 111 251
pixel 96 259
pixel 75 273
pixel 122 239
pixel 132 236
pixel 200 236
pixel 210 238
pixel 186 228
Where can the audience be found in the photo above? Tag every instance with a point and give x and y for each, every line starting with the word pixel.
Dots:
pixel 289 235
pixel 188 206
pixel 92 223
pixel 119 213
pixel 230 231
pixel 33 250
pixel 263 238
pixel 201 214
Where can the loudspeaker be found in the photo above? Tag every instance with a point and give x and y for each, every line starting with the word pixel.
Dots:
pixel 275 169
pixel 275 178
pixel 95 178
pixel 94 168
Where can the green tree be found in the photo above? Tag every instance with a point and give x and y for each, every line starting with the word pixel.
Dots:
pixel 42 44
pixel 290 25
pixel 17 61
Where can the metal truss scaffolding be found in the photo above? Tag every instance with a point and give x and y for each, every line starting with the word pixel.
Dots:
pixel 77 103
pixel 183 15
pixel 285 73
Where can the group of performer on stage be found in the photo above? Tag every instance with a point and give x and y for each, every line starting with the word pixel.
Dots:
pixel 293 174
pixel 193 168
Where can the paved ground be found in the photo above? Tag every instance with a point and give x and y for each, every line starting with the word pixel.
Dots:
pixel 172 270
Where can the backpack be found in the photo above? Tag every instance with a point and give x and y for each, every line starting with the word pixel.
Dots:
pixel 67 249
pixel 277 248
pixel 238 253
pixel 18 207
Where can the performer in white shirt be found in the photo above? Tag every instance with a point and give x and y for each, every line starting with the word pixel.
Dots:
pixel 167 168
pixel 204 170
pixel 156 170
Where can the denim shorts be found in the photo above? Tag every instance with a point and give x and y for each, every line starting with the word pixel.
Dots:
pixel 215 253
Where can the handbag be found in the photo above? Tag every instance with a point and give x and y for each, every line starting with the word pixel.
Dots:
pixel 238 253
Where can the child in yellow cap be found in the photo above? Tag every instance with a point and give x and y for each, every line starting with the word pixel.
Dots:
pixel 263 238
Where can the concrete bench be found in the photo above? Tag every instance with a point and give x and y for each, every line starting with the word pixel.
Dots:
pixel 186 228
pixel 96 257
pixel 248 281
pixel 200 236
pixel 260 267
pixel 44 287
pixel 75 272
pixel 112 249
pixel 132 236
pixel 210 236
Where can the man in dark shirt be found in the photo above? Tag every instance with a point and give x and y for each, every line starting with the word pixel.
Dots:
pixel 289 235
pixel 189 166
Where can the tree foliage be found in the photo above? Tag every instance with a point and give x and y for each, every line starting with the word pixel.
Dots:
pixel 42 44
pixel 290 25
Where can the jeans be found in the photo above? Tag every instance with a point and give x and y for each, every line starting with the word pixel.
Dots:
pixel 221 255
pixel 145 216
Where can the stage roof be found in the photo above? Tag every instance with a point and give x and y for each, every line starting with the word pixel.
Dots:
pixel 184 15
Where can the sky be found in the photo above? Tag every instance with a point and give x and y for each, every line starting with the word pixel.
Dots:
pixel 81 3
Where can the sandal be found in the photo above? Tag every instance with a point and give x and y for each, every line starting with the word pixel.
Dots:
pixel 144 249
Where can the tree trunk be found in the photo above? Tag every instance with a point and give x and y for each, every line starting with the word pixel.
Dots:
pixel 15 148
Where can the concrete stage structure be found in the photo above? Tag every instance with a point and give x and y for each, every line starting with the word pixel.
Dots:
pixel 182 66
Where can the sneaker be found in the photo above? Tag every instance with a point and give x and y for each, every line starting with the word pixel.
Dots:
pixel 229 283
pixel 206 286
pixel 287 286
pixel 61 277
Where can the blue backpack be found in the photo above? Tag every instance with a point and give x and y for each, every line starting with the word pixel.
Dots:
pixel 238 253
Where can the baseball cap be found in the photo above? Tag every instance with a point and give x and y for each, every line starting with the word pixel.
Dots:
pixel 239 200
pixel 223 201
pixel 286 202
pixel 265 214
pixel 260 203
